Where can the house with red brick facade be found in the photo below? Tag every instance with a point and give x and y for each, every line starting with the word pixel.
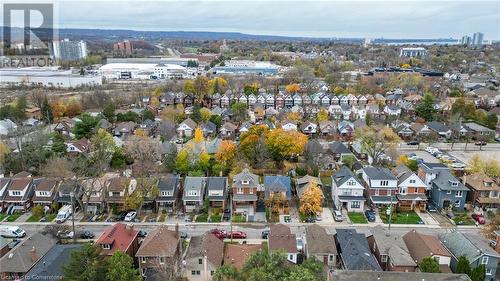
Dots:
pixel 244 187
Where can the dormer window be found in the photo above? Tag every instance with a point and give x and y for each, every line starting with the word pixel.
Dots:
pixel 454 183
pixel 245 182
pixel 106 246
pixel 488 183
pixel 16 193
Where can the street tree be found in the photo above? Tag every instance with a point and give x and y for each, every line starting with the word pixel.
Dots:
pixel 376 140
pixel 85 127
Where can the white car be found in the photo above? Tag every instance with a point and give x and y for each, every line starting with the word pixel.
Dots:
pixel 300 244
pixel 429 149
pixel 337 216
pixel 458 165
pixel 130 216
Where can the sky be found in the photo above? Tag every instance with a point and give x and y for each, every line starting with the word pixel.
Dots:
pixel 370 19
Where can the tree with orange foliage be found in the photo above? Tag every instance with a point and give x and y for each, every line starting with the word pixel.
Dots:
pixel 294 116
pixel 226 153
pixel 310 201
pixel 292 88
pixel 140 132
pixel 58 108
pixel 198 135
pixel 282 144
pixel 155 102
pixel 74 108
pixel 322 115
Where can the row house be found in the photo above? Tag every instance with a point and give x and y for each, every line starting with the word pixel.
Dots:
pixel 16 193
pixel 278 186
pixel 194 193
pixel 169 187
pixel 244 188
pixel 412 190
pixel 446 191
pixel 117 190
pixel 203 256
pixel 484 191
pixel 44 191
pixel 391 251
pixel 347 191
pixel 381 185
pixel 422 245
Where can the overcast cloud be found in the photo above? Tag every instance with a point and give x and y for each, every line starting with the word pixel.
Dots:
pixel 373 19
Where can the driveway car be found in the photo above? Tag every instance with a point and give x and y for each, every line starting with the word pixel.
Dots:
pixel 131 216
pixel 227 215
pixel 87 234
pixel 337 216
pixel 370 215
pixel 142 233
pixel 478 218
pixel 65 234
pixel 300 244
pixel 413 142
pixel 431 208
pixel 265 234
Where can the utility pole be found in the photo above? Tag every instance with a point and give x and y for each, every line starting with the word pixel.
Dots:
pixel 72 195
pixel 231 216
pixel 390 215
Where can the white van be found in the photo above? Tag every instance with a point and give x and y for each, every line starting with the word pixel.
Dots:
pixel 64 213
pixel 11 231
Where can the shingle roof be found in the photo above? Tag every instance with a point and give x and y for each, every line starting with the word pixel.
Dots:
pixel 237 254
pixel 343 175
pixel 339 148
pixel 245 175
pixel 356 275
pixel 19 259
pixel 421 245
pixel 281 238
pixel 189 122
pixel 51 263
pixel 119 236
pixel 278 184
pixel 196 184
pixel 379 173
pixel 461 245
pixel 355 251
pixel 444 180
pixel 207 244
pixel 393 246
pixel 318 241
pixel 160 242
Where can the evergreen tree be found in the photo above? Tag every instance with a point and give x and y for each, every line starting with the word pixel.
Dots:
pixel 463 265
pixel 121 268
pixel 46 111
pixel 478 273
pixel 429 264
pixel 425 108
pixel 85 265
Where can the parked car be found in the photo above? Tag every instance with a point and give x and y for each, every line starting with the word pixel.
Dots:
pixel 265 234
pixel 183 235
pixel 450 215
pixel 64 213
pixel 337 216
pixel 431 208
pixel 130 216
pixel 458 165
pixel 227 215
pixel 370 215
pixel 65 234
pixel 300 244
pixel 142 233
pixel 11 231
pixel 413 142
pixel 480 143
pixel 237 235
pixel 479 218
pixel 310 220
pixel 87 234
pixel 221 234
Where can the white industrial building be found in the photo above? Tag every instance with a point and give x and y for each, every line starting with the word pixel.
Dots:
pixel 413 52
pixel 46 77
pixel 142 71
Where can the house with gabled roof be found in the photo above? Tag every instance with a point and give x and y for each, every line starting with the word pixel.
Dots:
pixel 339 150
pixel 117 189
pixel 44 191
pixel 281 239
pixel 309 128
pixel 381 184
pixel 321 245
pixel 390 251
pixel 354 251
pixel 186 128
pixel 217 188
pixel 347 191
pixel 412 190
pixel 169 187
pixel 327 128
pixel 237 254
pixel 119 237
pixel 422 245
pixel 160 253
pixel 194 193
pixel 18 193
pixel 475 248
pixel 288 125
pixel 484 191
pixel 244 188
pixel 203 256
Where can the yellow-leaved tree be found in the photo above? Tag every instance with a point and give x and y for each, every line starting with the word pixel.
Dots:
pixel 322 115
pixel 198 135
pixel 294 116
pixel 4 151
pixel 292 88
pixel 226 153
pixel 282 144
pixel 310 202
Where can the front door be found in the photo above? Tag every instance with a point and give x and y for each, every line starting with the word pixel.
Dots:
pixel 446 204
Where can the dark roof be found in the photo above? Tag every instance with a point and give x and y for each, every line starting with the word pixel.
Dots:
pixel 314 147
pixel 354 275
pixel 216 183
pixel 318 241
pixel 281 238
pixel 379 173
pixel 438 126
pixel 343 175
pixel 446 181
pixel 278 184
pixel 355 251
pixel 160 242
pixel 339 148
pixel 52 262
pixel 207 244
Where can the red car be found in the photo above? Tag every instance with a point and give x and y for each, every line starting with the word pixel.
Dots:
pixel 237 235
pixel 221 234
pixel 479 218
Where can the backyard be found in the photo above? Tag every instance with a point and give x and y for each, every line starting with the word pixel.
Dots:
pixel 357 217
pixel 400 217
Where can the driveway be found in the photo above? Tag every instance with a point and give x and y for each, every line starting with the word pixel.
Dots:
pixel 427 218
pixel 326 215
pixel 442 220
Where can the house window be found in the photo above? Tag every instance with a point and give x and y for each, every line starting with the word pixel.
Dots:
pixel 143 259
pixel 494 194
pixel 384 183
pixel 485 260
pixel 403 190
pixel 106 246
pixel 245 182
pixel 457 204
pixel 16 193
pixel 290 257
pixel 376 192
pixel 195 272
pixel 200 261
pixel 211 272
pixel 489 271
pixel 330 258
pixel 192 193
pixel 162 260
pixel 448 192
pixel 413 181
pixel 355 204
pixel 436 259
pixel 239 190
pixel 458 193
pixel 383 258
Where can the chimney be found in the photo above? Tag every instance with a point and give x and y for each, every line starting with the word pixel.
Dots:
pixel 131 229
pixel 34 256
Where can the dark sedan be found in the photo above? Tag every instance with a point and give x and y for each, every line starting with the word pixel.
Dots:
pixel 370 215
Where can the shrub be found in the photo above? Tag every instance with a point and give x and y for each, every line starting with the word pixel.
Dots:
pixel 38 211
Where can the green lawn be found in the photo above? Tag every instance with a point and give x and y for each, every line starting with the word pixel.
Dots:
pixel 216 218
pixel 400 217
pixel 239 218
pixel 202 218
pixel 463 219
pixel 2 217
pixel 50 217
pixel 13 217
pixel 357 217
pixel 34 218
